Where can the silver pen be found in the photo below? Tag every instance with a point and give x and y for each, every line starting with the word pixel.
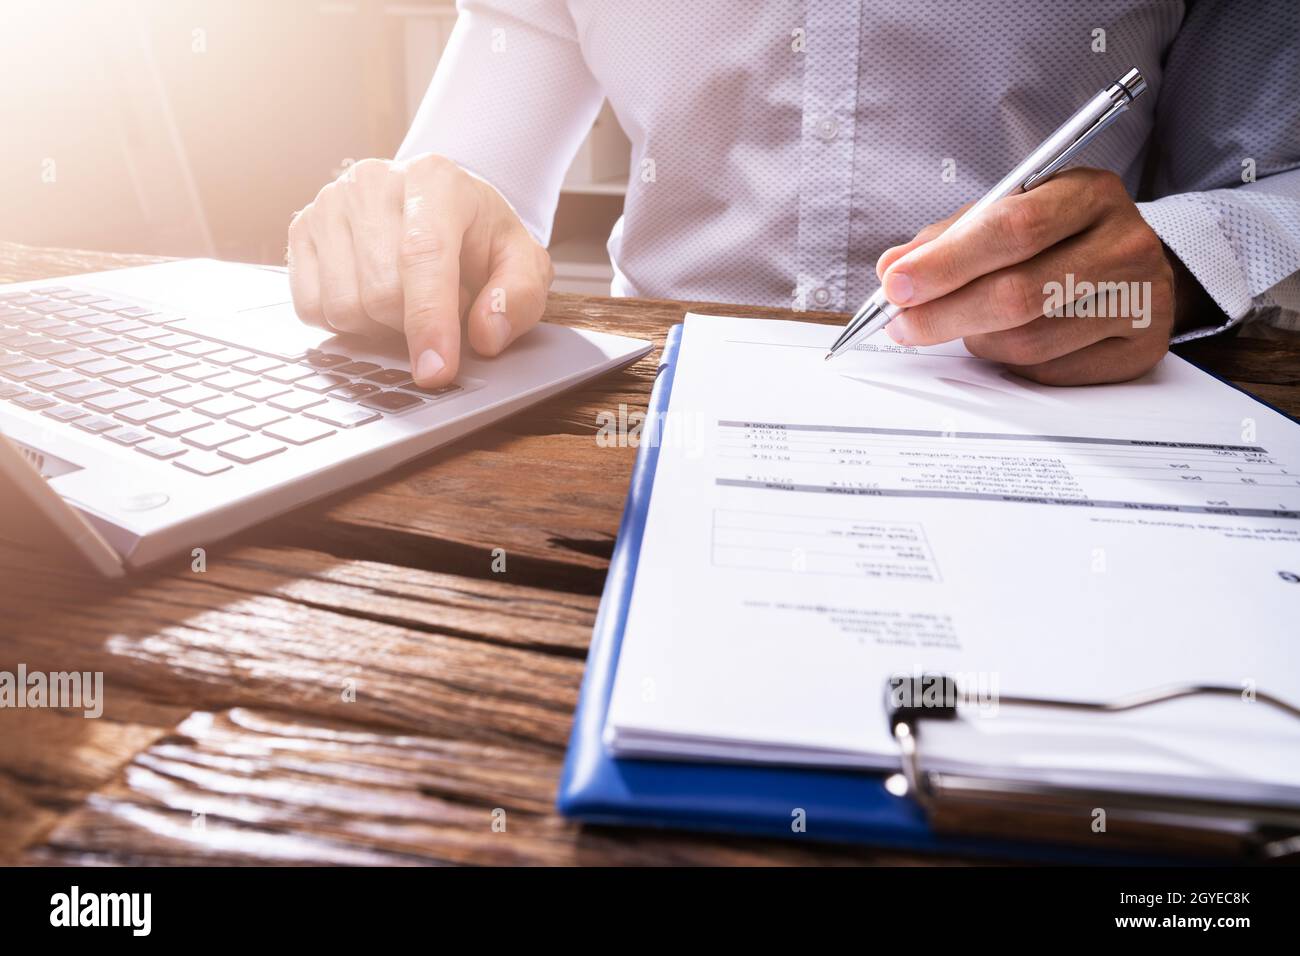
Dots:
pixel 1055 151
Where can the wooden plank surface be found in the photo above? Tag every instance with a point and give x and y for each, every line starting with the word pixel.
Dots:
pixel 353 682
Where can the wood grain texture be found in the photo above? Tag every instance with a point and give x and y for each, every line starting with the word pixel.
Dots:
pixel 245 786
pixel 352 683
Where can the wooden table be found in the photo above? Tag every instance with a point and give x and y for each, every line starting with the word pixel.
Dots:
pixel 227 735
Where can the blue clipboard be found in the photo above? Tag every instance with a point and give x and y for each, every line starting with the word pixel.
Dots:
pixel 838 805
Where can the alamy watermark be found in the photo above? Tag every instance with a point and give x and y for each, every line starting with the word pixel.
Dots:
pixel 975 692
pixel 70 690
pixel 1101 300
pixel 632 428
pixel 133 911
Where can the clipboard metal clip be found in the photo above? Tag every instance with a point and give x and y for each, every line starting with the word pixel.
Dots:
pixel 968 803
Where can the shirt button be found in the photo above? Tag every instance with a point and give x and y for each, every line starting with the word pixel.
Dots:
pixel 827 128
pixel 822 296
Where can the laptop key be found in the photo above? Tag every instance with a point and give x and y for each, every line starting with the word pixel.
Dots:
pixel 173 340
pixel 355 391
pixel 261 391
pixel 47 349
pixel 10 359
pixel 223 406
pixel 161 448
pixel 357 368
pixel 199 372
pixel 295 401
pixel 228 356
pixel 256 418
pixel 213 436
pixel 288 373
pixel 130 376
pixel 325 359
pixel 321 383
pixel 344 416
pixel 56 380
pixel 75 357
pixel 45 308
pixel 96 425
pixel 230 381
pixel 98 320
pixel 298 431
pixel 29 370
pixel 83 390
pixel 200 348
pixel 390 377
pixel 102 366
pixel 439 392
pixel 128 436
pixel 21 340
pixel 191 395
pixel 66 413
pixel 115 346
pixel 11 391
pixel 157 386
pixel 76 312
pixel 123 325
pixel 201 463
pixel 112 305
pixel 53 326
pixel 113 401
pixel 170 363
pixel 250 449
pixel 34 401
pixel 391 402
pixel 147 334
pixel 137 311
pixel 145 353
pixel 139 414
pixel 178 424
pixel 258 364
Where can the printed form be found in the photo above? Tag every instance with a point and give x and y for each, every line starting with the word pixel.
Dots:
pixel 816 527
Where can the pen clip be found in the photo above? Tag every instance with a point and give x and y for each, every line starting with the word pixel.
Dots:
pixel 1070 151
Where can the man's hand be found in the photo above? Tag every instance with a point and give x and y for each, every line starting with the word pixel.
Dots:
pixel 990 283
pixel 418 246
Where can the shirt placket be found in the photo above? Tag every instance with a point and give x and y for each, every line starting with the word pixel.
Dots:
pixel 830 85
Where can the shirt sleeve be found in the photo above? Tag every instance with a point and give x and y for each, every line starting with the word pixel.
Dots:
pixel 1227 164
pixel 511 101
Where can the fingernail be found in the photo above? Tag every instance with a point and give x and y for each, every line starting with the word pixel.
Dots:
pixel 498 330
pixel 897 331
pixel 880 270
pixel 428 365
pixel 898 287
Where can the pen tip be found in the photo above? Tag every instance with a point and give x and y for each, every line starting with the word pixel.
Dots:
pixel 828 356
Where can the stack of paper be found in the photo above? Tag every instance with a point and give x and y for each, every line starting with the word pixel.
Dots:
pixel 817 527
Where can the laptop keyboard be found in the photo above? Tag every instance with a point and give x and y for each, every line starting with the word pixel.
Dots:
pixel 115 370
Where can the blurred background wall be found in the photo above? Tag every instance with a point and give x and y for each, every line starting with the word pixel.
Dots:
pixel 197 127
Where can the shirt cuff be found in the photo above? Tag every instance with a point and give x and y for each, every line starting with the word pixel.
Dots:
pixel 1191 227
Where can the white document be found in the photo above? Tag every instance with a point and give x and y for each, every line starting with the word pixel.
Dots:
pixel 816 527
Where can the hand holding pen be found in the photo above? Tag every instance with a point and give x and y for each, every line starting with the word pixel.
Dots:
pixel 987 274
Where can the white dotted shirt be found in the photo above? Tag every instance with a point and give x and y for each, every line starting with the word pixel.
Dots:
pixel 779 147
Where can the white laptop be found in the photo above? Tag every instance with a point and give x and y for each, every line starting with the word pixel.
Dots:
pixel 152 410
